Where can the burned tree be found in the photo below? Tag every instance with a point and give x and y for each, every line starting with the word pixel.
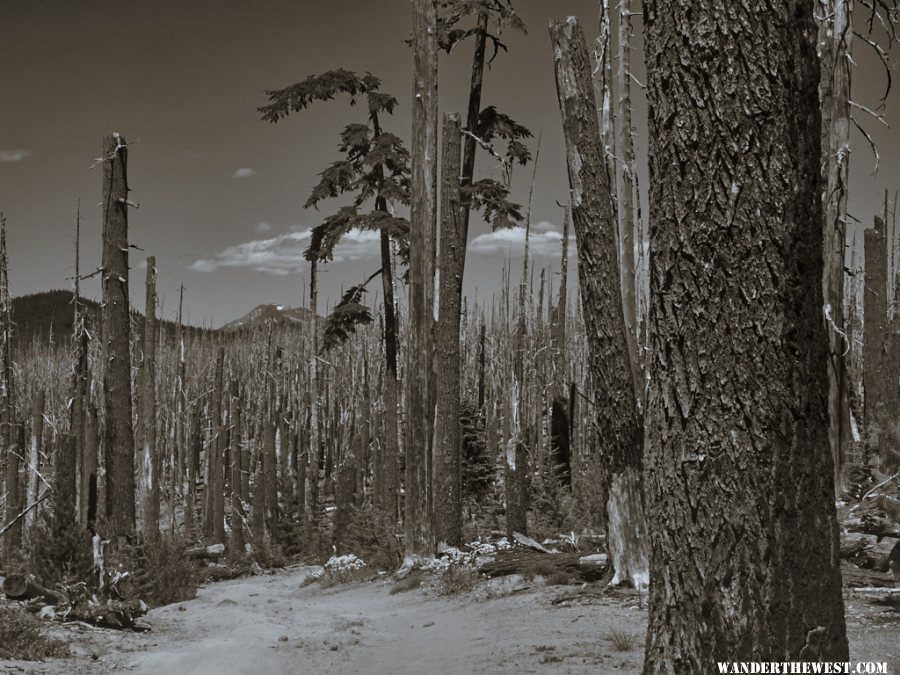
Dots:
pixel 598 275
pixel 738 473
pixel 116 327
pixel 448 436
pixel 149 454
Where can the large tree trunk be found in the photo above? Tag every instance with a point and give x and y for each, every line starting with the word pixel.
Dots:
pixel 598 276
pixel 119 436
pixel 150 461
pixel 447 433
pixel 423 212
pixel 739 477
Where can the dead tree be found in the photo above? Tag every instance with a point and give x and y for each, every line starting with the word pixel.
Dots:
pixel 448 438
pixel 423 211
pixel 877 363
pixel 835 45
pixel 116 327
pixel 627 199
pixel 35 452
pixel 80 390
pixel 8 439
pixel 237 450
pixel 216 485
pixel 150 461
pixel 598 276
pixel 739 483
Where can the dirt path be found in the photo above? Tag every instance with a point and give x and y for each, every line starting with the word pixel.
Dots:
pixel 272 624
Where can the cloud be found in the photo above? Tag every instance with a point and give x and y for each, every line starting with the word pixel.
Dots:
pixel 14 155
pixel 284 254
pixel 244 172
pixel 262 228
pixel 544 242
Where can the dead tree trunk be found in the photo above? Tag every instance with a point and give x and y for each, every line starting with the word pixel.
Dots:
pixel 835 44
pixel 875 329
pixel 64 484
pixel 626 198
pixel 150 462
pixel 313 509
pixel 119 435
pixel 35 451
pixel 598 276
pixel 447 435
pixel 89 482
pixel 216 484
pixel 738 474
pixel 421 278
pixel 237 450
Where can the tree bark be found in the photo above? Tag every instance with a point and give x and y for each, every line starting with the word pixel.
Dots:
pixel 116 328
pixel 738 474
pixel 598 276
pixel 447 434
pixel 421 279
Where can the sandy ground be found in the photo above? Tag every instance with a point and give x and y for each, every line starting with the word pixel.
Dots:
pixel 272 624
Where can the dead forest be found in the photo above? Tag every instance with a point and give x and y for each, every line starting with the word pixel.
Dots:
pixel 698 399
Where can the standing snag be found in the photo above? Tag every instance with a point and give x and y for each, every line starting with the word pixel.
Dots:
pixel 116 329
pixel 598 276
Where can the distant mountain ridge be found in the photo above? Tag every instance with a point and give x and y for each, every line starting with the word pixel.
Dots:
pixel 278 314
pixel 39 316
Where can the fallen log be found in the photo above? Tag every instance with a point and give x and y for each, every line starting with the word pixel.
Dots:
pixel 534 563
pixel 855 577
pixel 205 552
pixel 22 587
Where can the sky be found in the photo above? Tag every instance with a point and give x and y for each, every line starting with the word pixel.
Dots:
pixel 221 193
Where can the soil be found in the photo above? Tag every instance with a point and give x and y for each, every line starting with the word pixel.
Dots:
pixel 275 624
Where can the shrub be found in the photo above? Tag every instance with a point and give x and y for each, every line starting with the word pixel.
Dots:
pixel 458 579
pixel 344 569
pixel 412 581
pixel 22 637
pixel 538 568
pixel 371 535
pixel 61 552
pixel 622 641
pixel 559 578
pixel 159 572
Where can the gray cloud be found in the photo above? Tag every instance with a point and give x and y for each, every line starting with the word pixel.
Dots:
pixel 244 172
pixel 14 155
pixel 544 242
pixel 284 254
